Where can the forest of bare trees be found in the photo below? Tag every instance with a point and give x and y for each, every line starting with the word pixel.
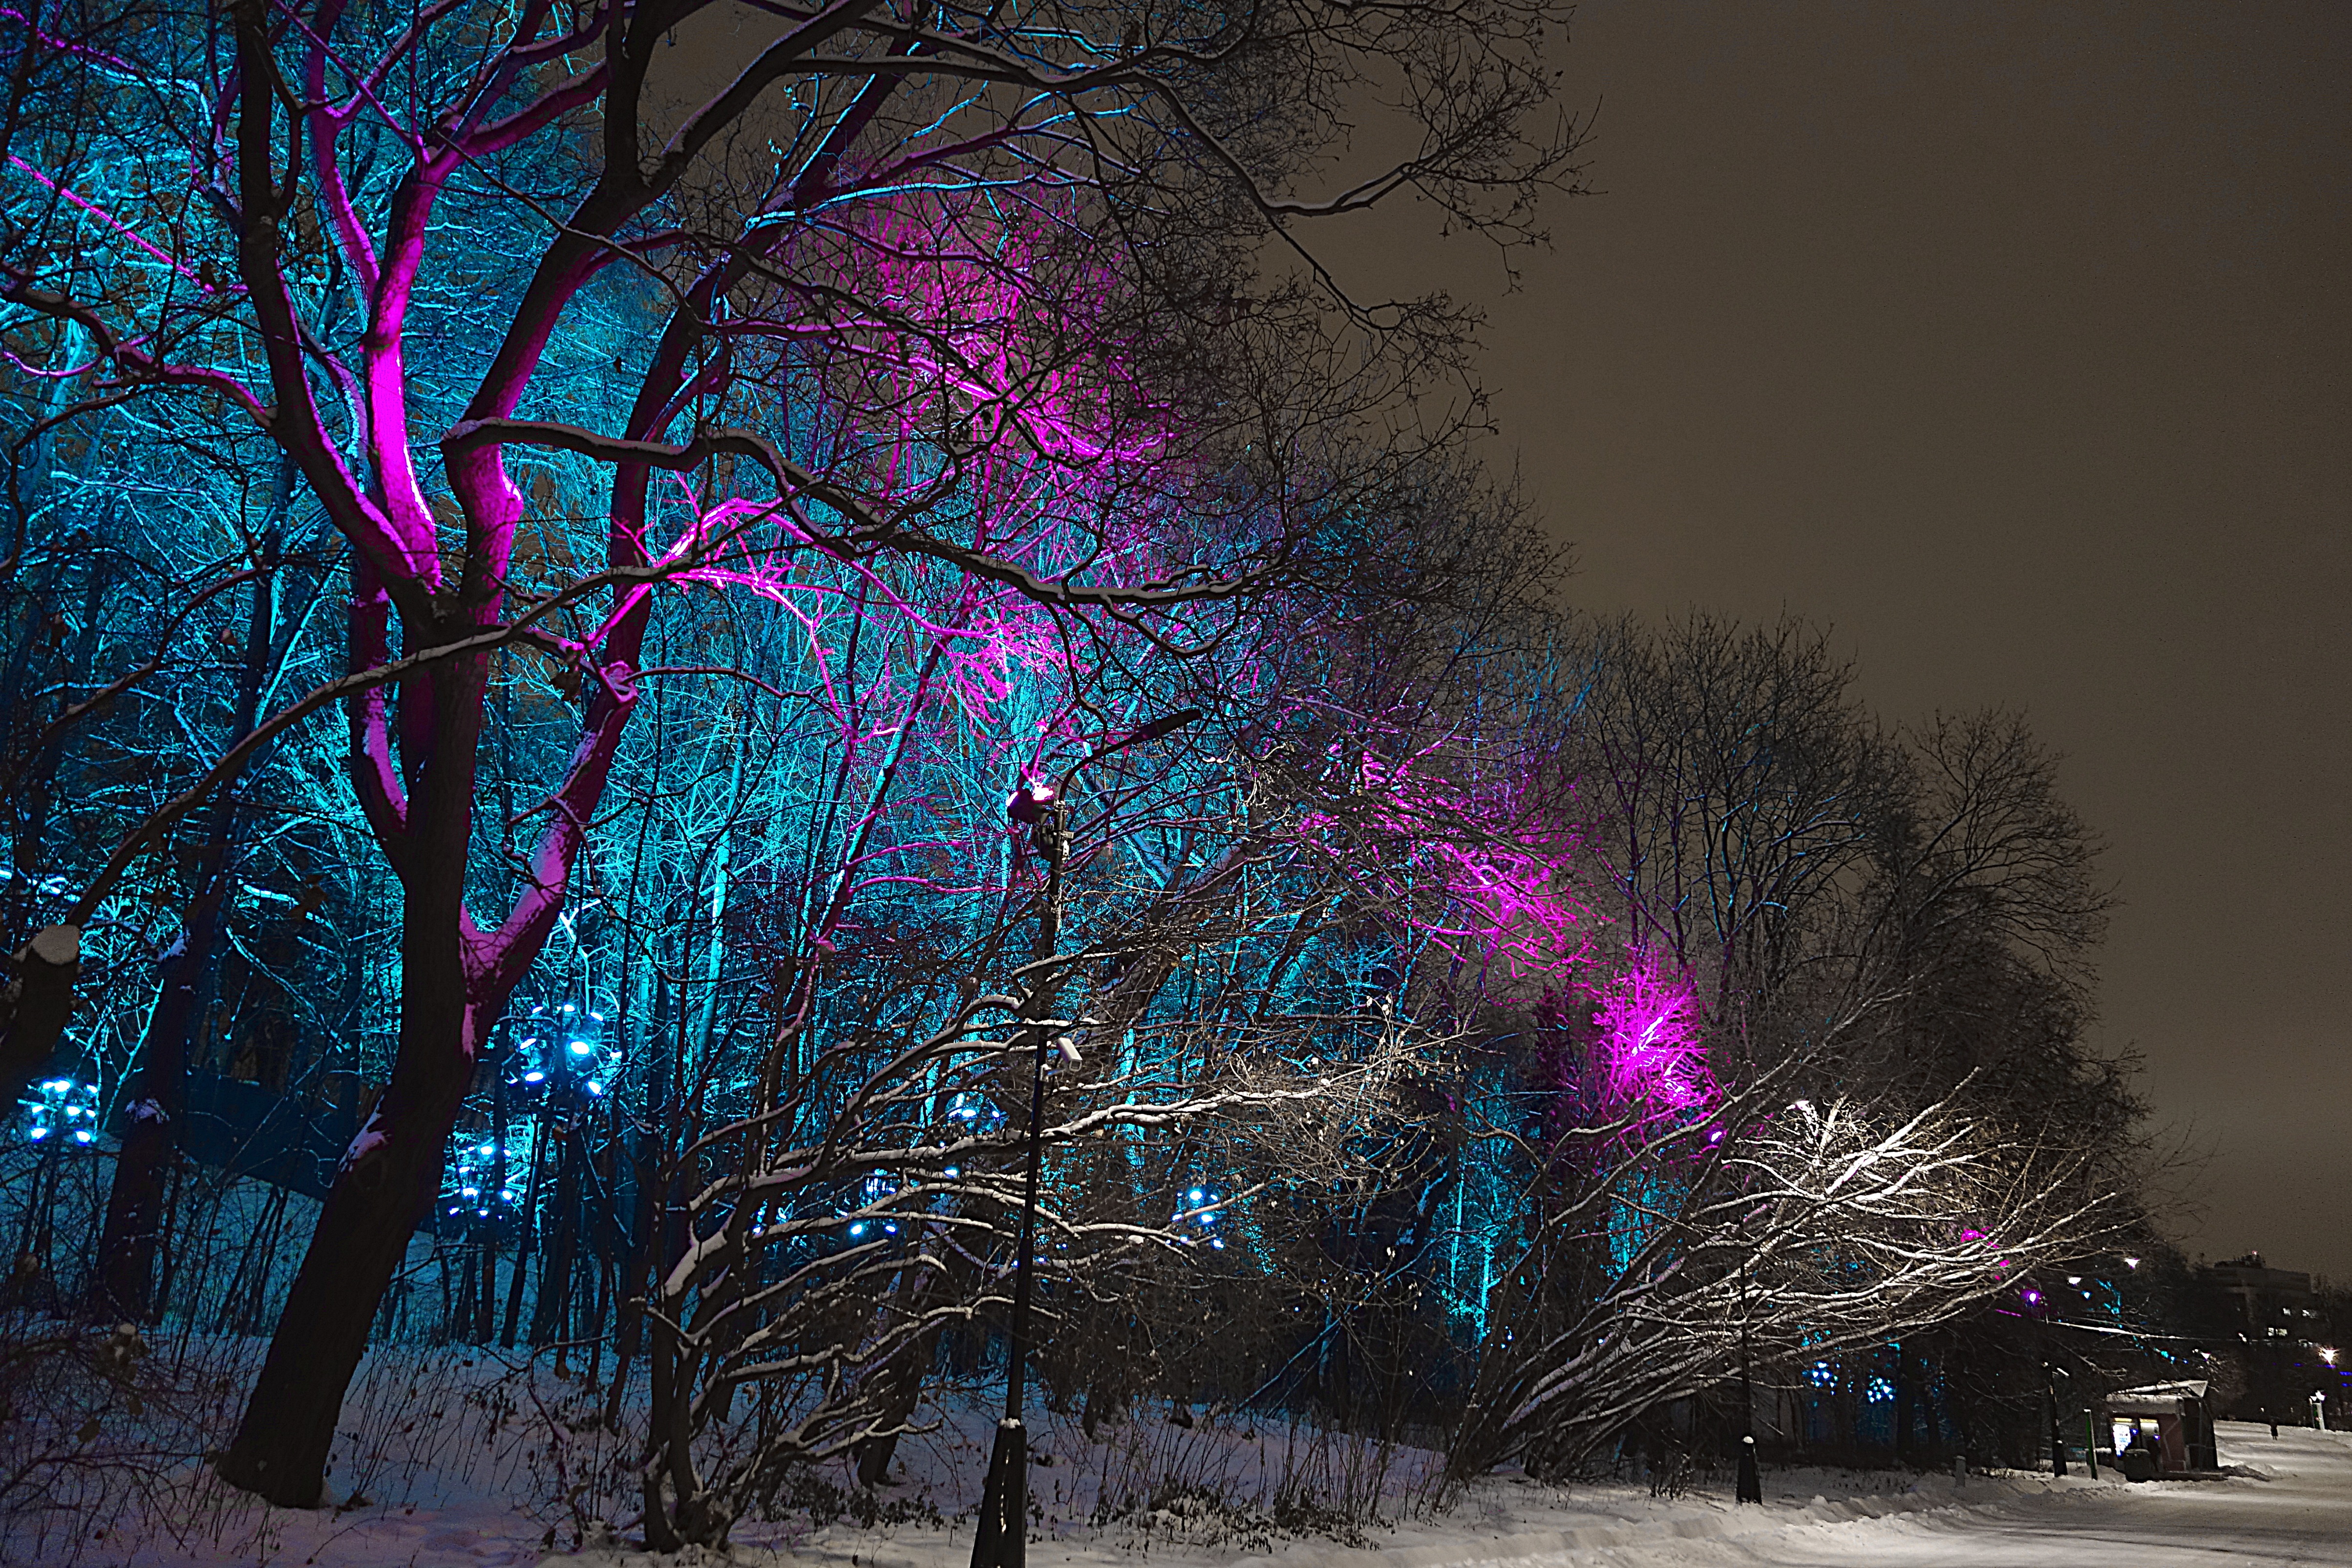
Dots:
pixel 616 622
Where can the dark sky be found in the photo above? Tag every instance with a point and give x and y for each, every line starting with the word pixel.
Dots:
pixel 2015 343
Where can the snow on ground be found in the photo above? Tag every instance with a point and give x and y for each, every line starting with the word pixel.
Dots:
pixel 461 1459
pixel 2296 1508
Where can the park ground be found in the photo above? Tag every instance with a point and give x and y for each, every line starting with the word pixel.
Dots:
pixel 443 1503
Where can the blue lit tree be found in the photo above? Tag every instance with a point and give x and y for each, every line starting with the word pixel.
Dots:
pixel 937 358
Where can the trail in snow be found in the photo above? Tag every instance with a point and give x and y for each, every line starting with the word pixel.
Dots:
pixel 2301 1515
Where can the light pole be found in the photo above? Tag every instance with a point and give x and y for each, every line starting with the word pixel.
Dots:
pixel 1751 1484
pixel 1001 1537
pixel 2051 1373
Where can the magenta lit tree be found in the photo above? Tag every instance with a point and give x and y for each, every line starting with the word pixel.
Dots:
pixel 1648 1044
pixel 1769 1128
pixel 960 318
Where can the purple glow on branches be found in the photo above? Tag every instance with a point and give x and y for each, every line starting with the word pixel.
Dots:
pixel 984 637
pixel 1502 872
pixel 110 221
pixel 958 277
pixel 67 45
pixel 1649 1050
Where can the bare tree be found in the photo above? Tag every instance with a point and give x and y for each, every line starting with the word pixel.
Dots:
pixel 1660 1252
pixel 983 253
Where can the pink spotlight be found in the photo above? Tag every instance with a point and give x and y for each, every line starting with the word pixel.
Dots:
pixel 1650 1050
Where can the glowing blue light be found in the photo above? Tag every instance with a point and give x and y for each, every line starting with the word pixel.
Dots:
pixel 954 1171
pixel 857 1230
pixel 81 1137
pixel 1821 1374
pixel 39 1133
pixel 534 1078
pixel 1195 1195
pixel 1879 1392
pixel 580 1048
pixel 595 1088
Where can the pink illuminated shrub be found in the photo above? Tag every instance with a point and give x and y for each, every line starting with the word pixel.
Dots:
pixel 1648 1049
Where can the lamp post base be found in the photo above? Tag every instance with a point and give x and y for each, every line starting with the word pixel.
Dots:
pixel 1002 1539
pixel 1751 1484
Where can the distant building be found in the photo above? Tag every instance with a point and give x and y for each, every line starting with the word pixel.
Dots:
pixel 2259 1302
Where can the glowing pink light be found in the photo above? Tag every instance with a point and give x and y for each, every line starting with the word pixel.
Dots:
pixel 1504 900
pixel 1650 1054
pixel 1028 803
pixel 110 220
pixel 67 47
pixel 960 275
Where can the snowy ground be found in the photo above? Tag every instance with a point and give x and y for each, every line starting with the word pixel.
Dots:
pixel 2301 1513
pixel 463 1461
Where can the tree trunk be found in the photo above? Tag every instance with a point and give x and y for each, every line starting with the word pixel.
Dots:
pixel 1904 1361
pixel 157 1096
pixel 526 1235
pixel 550 1318
pixel 37 1002
pixel 645 1227
pixel 391 1176
pixel 899 1380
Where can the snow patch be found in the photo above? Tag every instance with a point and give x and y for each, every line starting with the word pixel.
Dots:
pixel 57 946
pixel 370 1138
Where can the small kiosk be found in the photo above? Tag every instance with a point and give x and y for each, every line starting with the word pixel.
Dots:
pixel 2162 1429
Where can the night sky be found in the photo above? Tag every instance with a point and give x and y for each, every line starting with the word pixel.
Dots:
pixel 2015 343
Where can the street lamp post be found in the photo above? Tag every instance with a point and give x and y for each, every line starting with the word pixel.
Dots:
pixel 1001 1539
pixel 1751 1484
pixel 2051 1373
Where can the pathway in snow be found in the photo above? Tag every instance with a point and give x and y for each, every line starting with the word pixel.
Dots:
pixel 2302 1514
